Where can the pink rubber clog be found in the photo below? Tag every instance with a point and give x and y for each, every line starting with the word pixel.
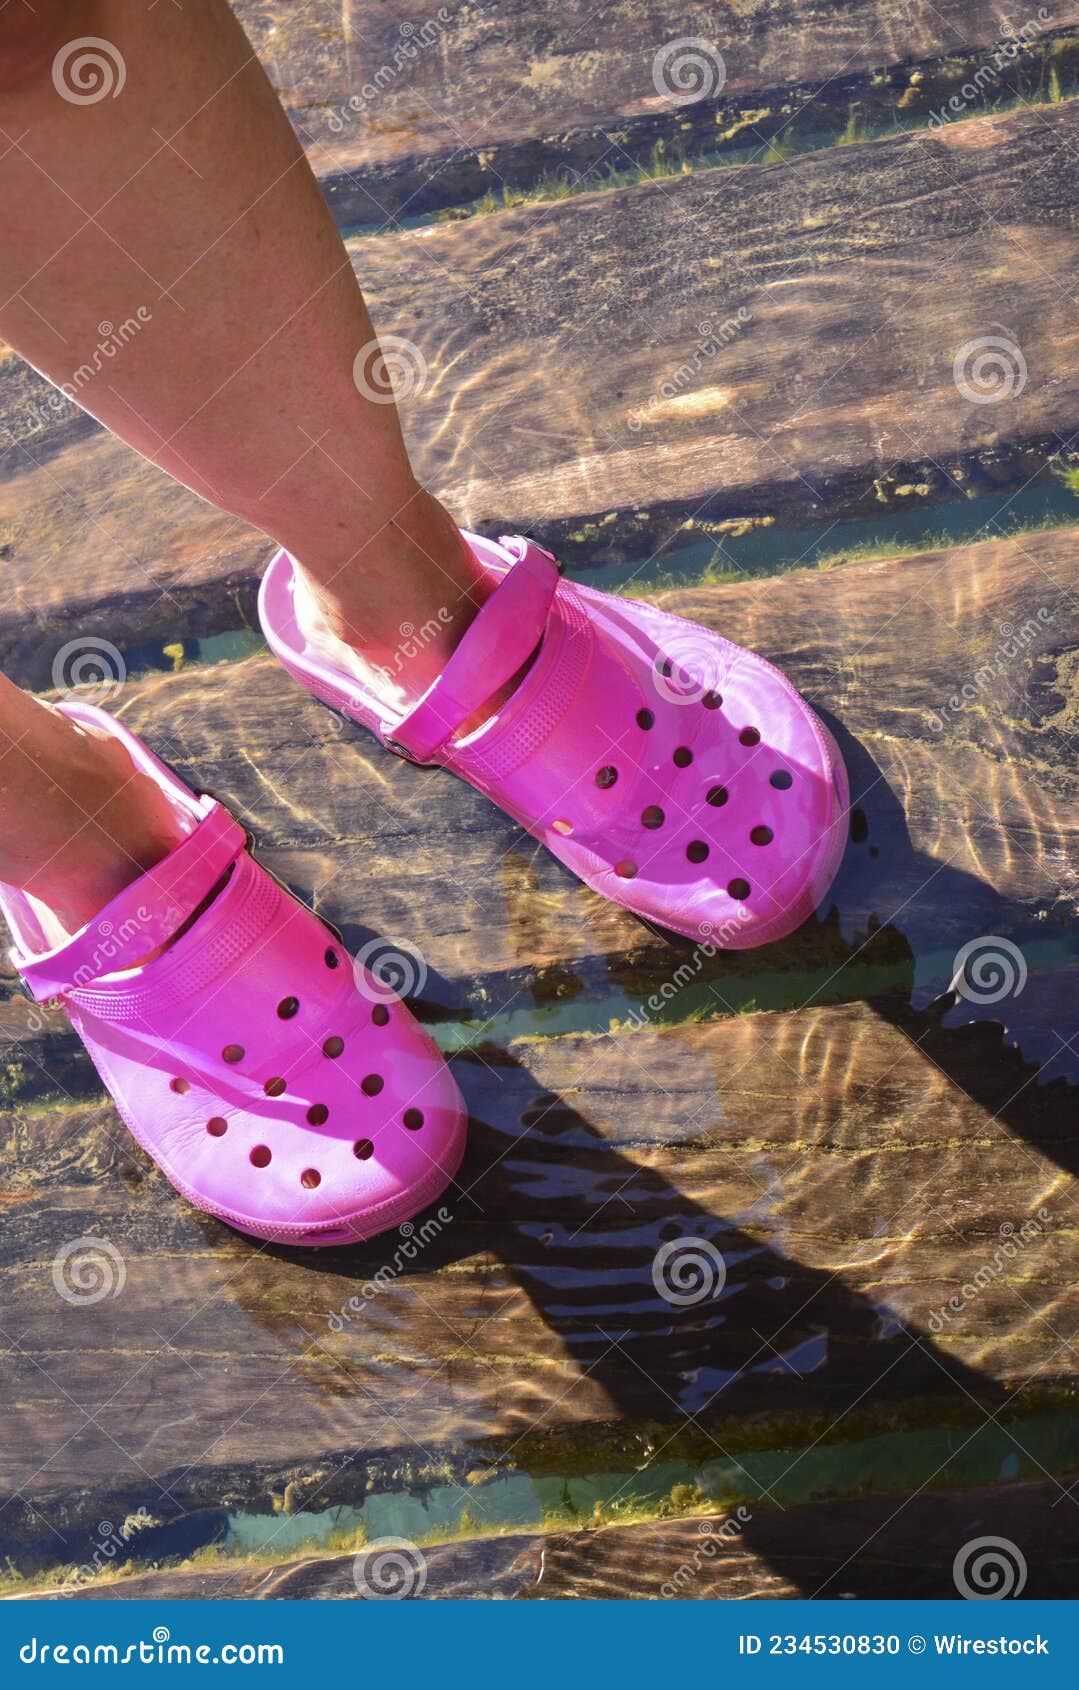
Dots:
pixel 276 1084
pixel 678 774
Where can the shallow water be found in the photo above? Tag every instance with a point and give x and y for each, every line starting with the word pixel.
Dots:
pixel 519 1501
pixel 846 1168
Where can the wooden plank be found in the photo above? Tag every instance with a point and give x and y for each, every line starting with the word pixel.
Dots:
pixel 880 1546
pixel 549 330
pixel 884 1547
pixel 850 1186
pixel 965 820
pixel 451 102
pixel 886 1184
pixel 855 1159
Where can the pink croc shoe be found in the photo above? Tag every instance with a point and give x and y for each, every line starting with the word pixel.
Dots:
pixel 674 772
pixel 277 1085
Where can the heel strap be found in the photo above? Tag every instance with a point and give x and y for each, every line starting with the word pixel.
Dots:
pixel 145 915
pixel 504 634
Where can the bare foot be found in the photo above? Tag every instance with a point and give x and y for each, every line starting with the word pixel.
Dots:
pixel 399 659
pixel 396 644
pixel 98 823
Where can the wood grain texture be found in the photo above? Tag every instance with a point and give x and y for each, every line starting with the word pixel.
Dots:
pixel 549 330
pixel 885 1172
pixel 885 1547
pixel 965 817
pixel 850 1186
pixel 854 1163
pixel 451 101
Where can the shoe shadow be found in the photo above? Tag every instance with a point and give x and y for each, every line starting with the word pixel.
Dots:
pixel 579 1224
pixel 584 1230
pixel 1006 1036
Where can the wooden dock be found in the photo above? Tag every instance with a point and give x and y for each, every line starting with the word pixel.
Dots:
pixel 886 1166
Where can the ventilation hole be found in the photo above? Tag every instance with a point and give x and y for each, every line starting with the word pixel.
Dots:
pixel 683 757
pixel 380 1015
pixel 712 700
pixel 274 1087
pixel 310 1178
pixel 653 816
pixel 180 1086
pixel 260 1156
pixel 645 719
pixel 413 1119
pixel 233 1053
pixel 718 795
pixel 217 1126
pixel 761 835
pixel 625 869
pixel 781 779
pixel 696 850
pixel 372 1084
pixel 750 736
pixel 859 832
pixel 333 1046
pixel 666 668
pixel 363 1149
pixel 607 775
pixel 738 889
pixel 287 1008
pixel 318 1114
pixel 562 826
pixel 332 959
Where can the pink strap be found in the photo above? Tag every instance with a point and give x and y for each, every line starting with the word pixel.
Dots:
pixel 503 636
pixel 145 914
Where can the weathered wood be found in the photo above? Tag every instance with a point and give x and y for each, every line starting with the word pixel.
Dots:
pixel 549 330
pixel 851 1188
pixel 880 1177
pixel 853 1164
pixel 965 818
pixel 876 1546
pixel 453 101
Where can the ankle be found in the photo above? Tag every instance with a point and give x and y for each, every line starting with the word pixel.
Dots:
pixel 402 602
pixel 90 822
